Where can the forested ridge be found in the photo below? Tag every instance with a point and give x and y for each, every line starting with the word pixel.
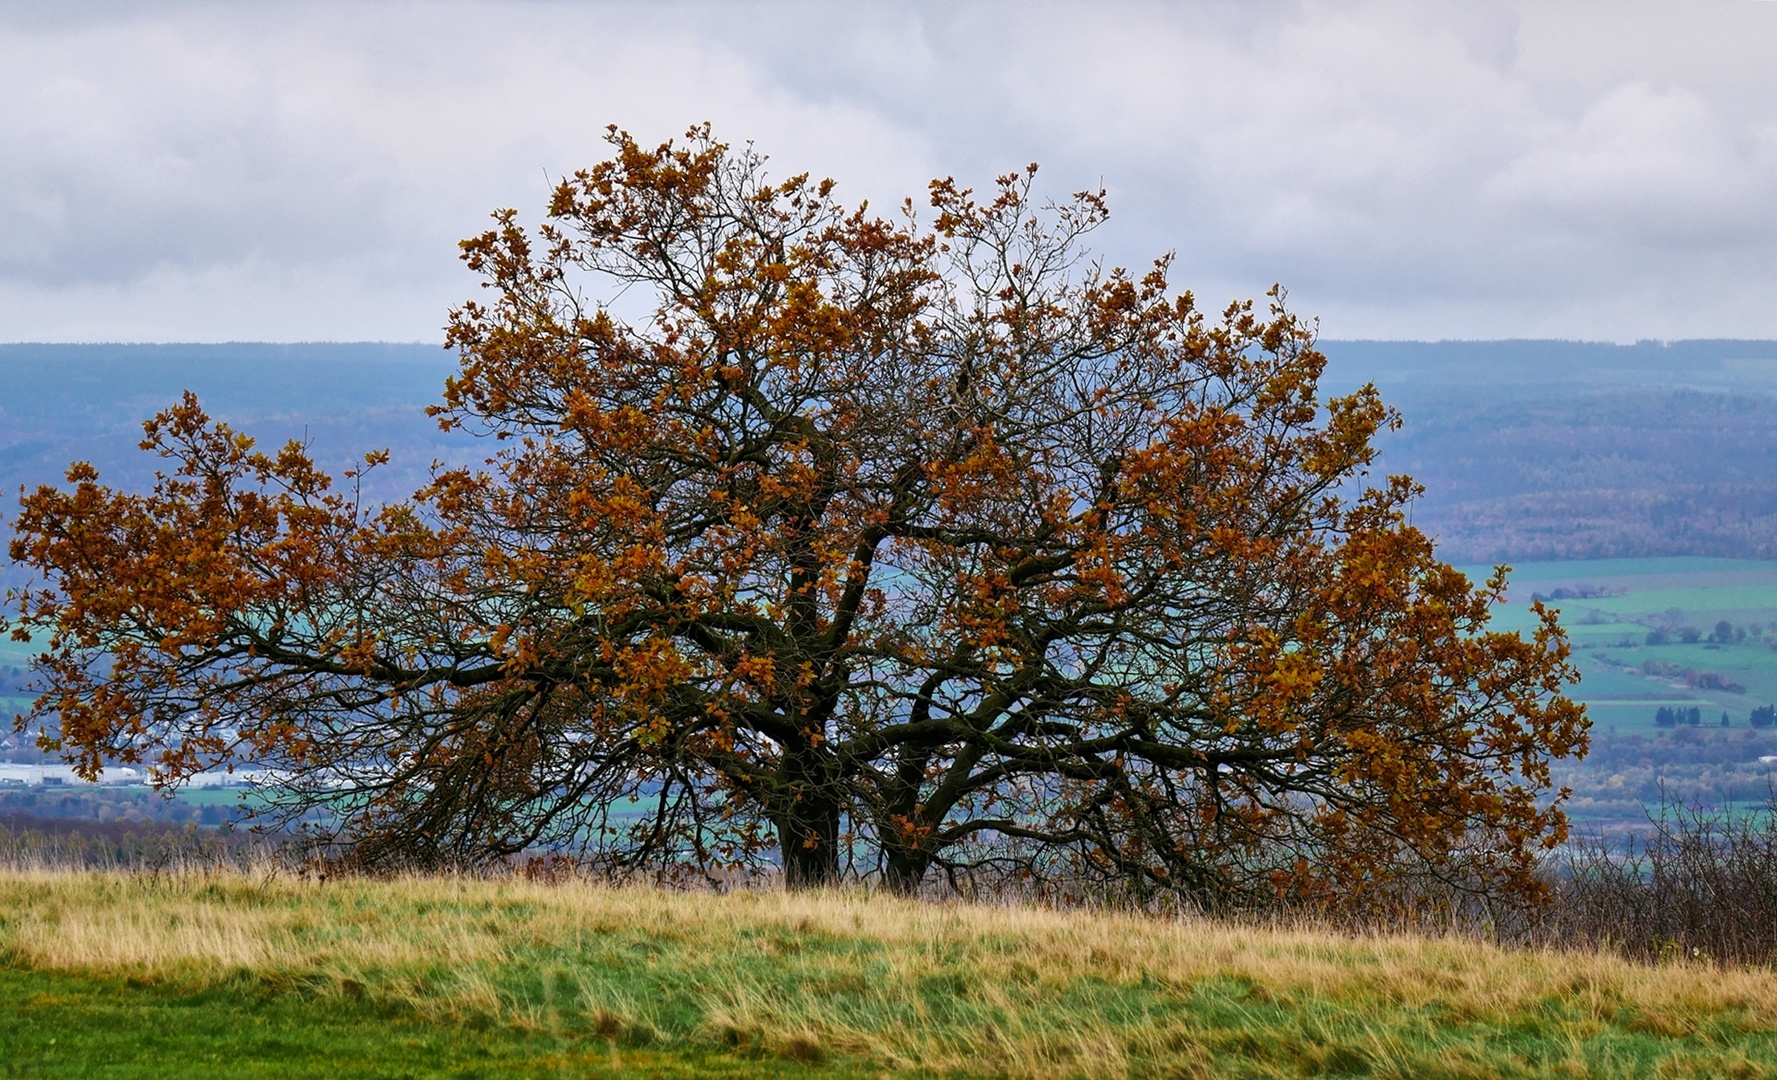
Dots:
pixel 1548 450
pixel 1528 450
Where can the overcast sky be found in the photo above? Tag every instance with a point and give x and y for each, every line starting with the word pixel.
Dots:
pixel 298 171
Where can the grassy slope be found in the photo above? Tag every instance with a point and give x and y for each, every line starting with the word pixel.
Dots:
pixel 234 976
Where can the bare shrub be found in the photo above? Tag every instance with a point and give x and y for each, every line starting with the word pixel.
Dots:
pixel 1697 884
pixel 33 842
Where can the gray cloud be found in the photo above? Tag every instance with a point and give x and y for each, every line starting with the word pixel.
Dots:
pixel 295 170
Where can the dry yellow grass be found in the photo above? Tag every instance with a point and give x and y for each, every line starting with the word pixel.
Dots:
pixel 941 988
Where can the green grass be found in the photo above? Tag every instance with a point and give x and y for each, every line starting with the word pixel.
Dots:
pixel 221 975
pixel 58 1025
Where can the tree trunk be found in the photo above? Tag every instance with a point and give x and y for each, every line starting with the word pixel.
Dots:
pixel 808 836
pixel 904 870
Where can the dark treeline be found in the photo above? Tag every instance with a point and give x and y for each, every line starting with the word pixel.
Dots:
pixel 108 805
pixel 1670 717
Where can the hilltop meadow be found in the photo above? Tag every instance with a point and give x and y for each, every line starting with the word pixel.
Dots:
pixel 131 972
pixel 235 974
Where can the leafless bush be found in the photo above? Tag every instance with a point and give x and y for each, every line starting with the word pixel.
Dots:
pixel 1696 884
pixel 61 843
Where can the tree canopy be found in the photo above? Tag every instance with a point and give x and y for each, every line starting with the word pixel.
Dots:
pixel 857 544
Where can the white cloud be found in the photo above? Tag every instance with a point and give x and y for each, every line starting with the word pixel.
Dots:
pixel 300 170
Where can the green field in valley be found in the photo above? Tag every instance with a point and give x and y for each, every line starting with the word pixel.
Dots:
pixel 1625 680
pixel 1610 633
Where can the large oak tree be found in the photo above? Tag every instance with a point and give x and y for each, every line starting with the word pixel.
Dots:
pixel 867 544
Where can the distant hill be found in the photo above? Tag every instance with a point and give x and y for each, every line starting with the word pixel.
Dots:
pixel 1529 450
pixel 61 402
pixel 1534 450
pixel 1718 365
